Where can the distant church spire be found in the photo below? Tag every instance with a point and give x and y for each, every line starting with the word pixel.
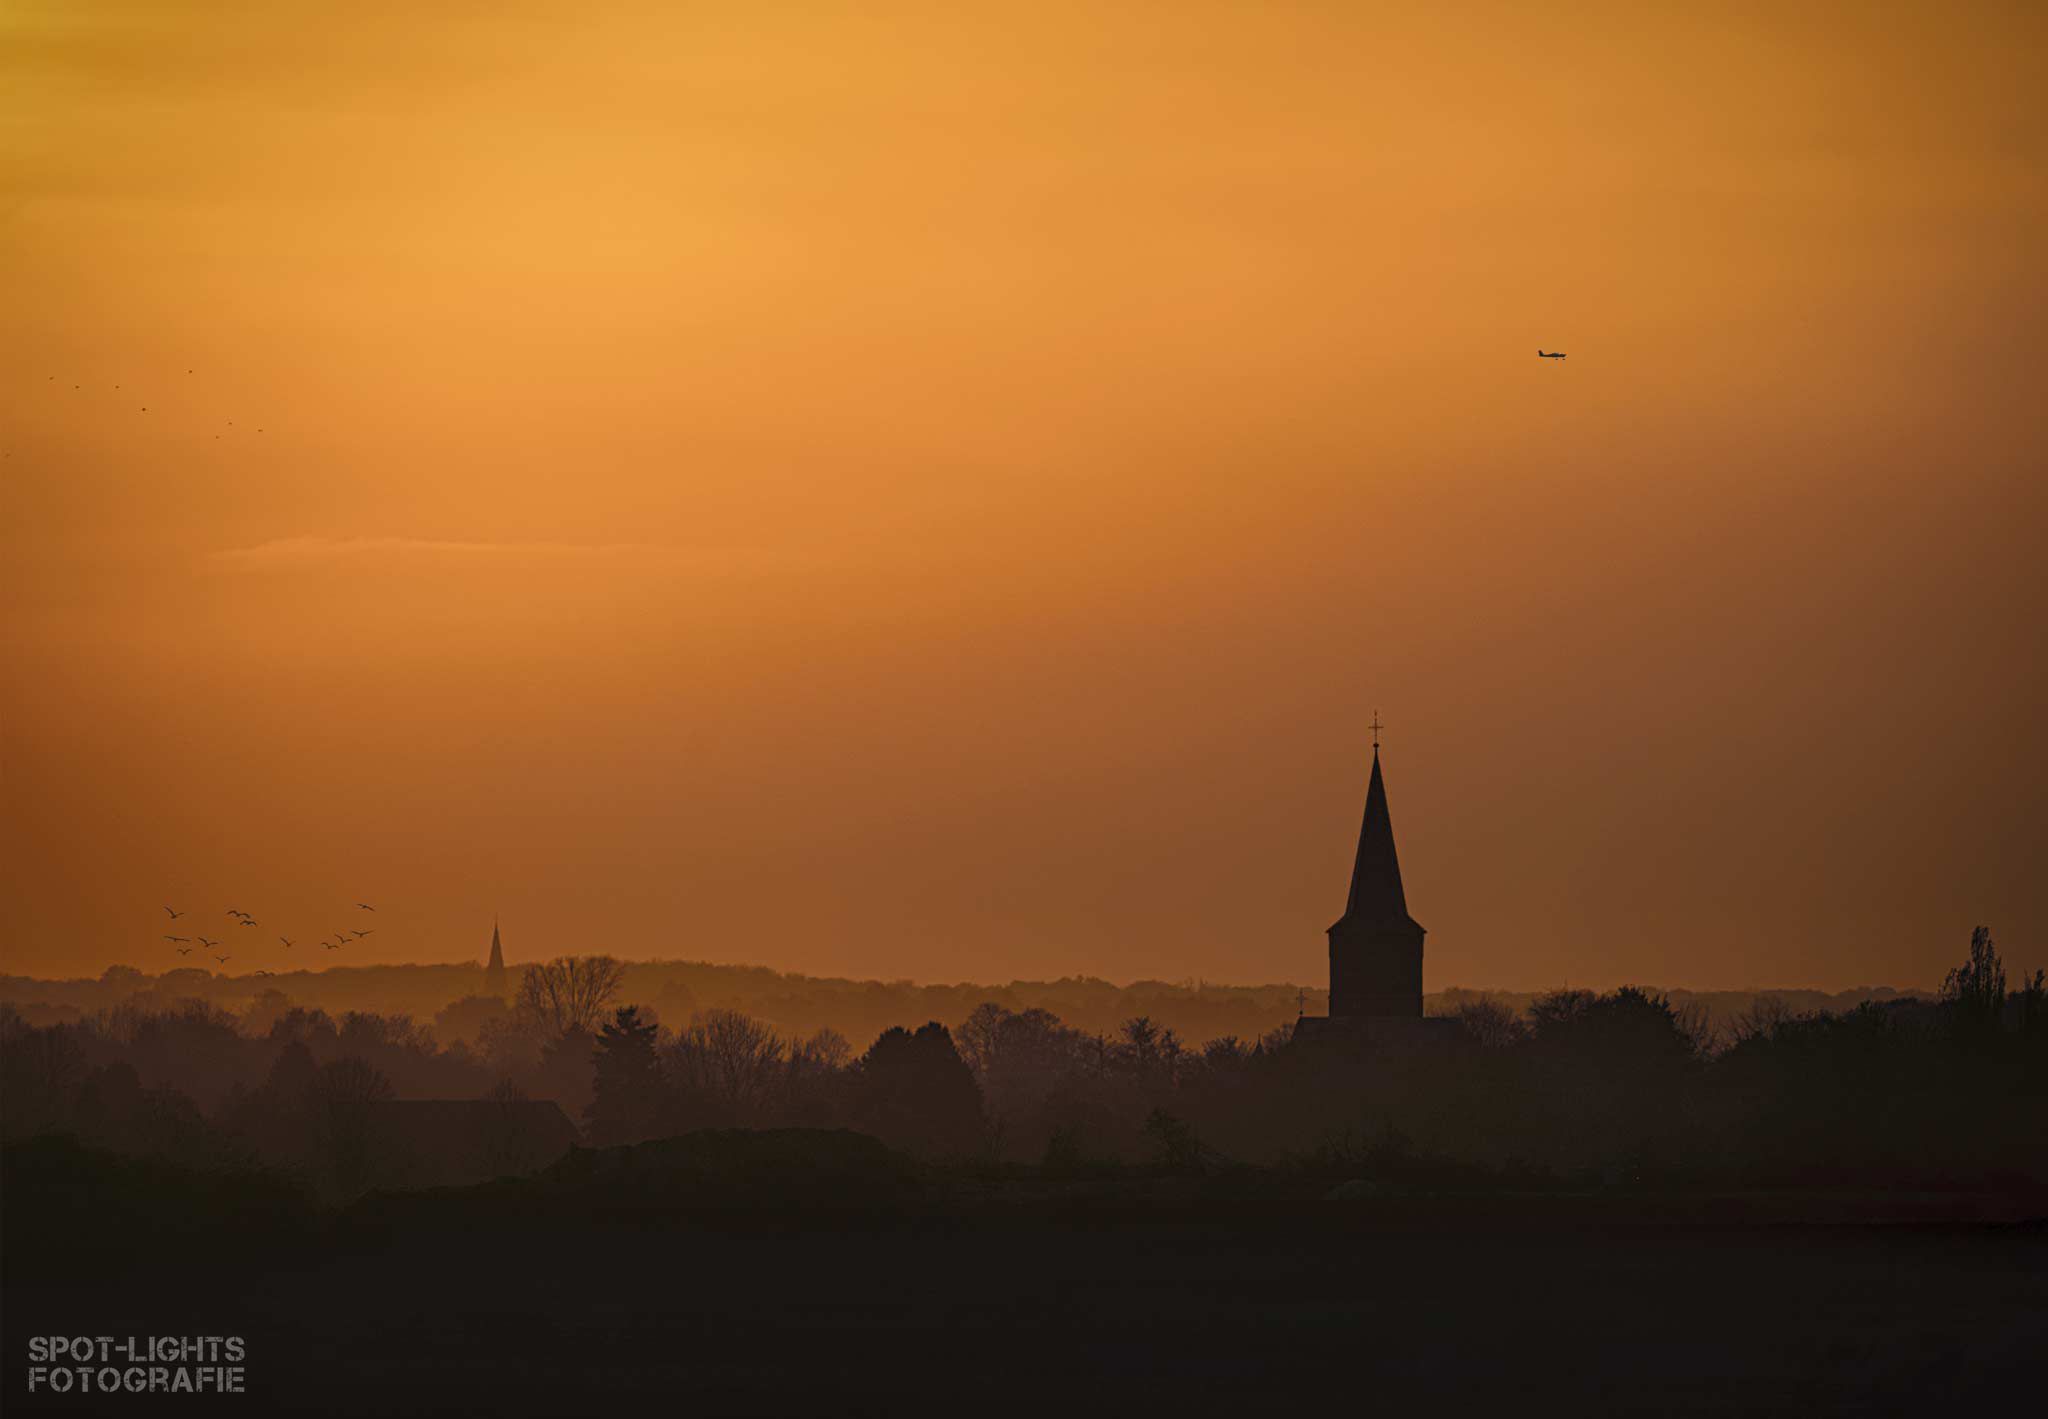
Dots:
pixel 494 974
pixel 1376 896
pixel 1376 947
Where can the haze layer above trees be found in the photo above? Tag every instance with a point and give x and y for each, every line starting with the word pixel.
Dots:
pixel 671 992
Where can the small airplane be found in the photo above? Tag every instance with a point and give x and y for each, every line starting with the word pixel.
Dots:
pixel 1547 355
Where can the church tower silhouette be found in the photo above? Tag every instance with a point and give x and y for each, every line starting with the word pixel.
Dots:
pixel 1376 947
pixel 494 974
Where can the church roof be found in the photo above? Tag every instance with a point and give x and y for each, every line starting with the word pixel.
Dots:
pixel 1376 897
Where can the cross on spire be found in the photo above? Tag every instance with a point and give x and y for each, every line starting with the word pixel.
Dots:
pixel 1376 727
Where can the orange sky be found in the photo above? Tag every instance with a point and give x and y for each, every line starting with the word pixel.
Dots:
pixel 938 491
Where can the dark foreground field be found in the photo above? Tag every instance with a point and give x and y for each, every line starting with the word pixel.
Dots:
pixel 1064 1299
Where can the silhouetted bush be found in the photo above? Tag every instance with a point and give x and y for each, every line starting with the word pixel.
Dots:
pixel 916 1093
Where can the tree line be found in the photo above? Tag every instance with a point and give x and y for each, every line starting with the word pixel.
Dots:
pixel 1608 1088
pixel 454 1001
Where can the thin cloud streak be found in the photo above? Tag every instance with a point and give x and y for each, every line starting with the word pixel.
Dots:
pixel 283 553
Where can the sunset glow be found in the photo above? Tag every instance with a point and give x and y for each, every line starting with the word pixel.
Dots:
pixel 938 491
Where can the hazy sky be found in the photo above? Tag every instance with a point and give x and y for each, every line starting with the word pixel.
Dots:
pixel 938 491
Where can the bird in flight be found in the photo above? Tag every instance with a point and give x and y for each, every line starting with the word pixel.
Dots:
pixel 1547 355
pixel 331 945
pixel 208 942
pixel 177 938
pixel 361 934
pixel 366 906
pixel 287 941
pixel 222 959
pixel 233 912
pixel 174 915
pixel 248 921
pixel 184 950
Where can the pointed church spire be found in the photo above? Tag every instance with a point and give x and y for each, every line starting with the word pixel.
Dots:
pixel 1376 895
pixel 1376 947
pixel 494 974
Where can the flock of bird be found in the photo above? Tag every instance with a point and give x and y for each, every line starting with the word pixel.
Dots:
pixel 223 428
pixel 187 944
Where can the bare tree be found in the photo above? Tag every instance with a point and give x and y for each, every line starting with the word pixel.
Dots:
pixel 1696 1022
pixel 344 1095
pixel 980 1036
pixel 1974 992
pixel 730 1058
pixel 1767 1014
pixel 827 1051
pixel 567 993
pixel 1490 1024
pixel 1149 1051
pixel 1020 1060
